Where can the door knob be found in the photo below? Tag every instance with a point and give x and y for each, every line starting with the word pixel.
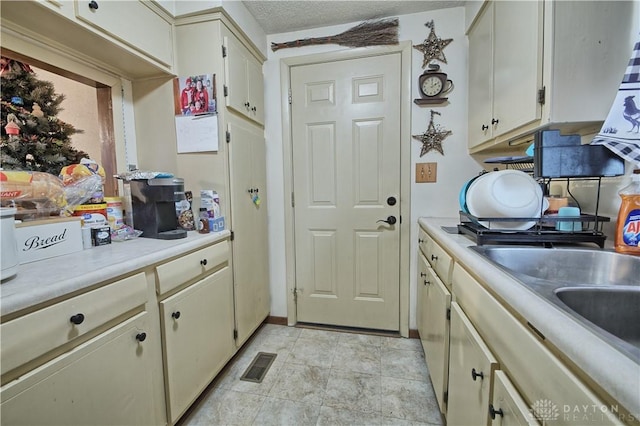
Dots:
pixel 391 220
pixel 391 201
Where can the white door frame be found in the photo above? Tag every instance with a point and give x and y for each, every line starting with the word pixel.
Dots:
pixel 405 165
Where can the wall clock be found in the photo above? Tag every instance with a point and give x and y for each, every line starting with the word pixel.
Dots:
pixel 433 84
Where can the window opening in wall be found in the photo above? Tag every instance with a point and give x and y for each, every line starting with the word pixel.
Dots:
pixel 87 106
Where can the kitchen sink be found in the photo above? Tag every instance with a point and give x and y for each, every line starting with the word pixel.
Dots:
pixel 598 288
pixel 594 304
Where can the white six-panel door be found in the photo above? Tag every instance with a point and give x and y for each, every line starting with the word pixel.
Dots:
pixel 346 166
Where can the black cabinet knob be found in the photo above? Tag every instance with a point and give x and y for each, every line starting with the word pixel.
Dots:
pixel 203 262
pixel 422 274
pixel 420 241
pixel 475 374
pixel 493 412
pixel 494 121
pixel 434 257
pixel 77 319
pixel 247 104
pixel 427 282
pixel 93 5
pixel 484 127
pixel 141 337
pixel 175 315
pixel 253 109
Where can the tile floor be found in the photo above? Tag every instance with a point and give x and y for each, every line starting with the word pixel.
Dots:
pixel 322 377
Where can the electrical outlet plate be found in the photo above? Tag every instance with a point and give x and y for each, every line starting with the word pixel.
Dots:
pixel 426 172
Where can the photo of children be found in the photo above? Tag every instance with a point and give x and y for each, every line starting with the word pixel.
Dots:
pixel 195 95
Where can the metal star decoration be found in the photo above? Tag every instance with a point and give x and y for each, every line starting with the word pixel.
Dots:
pixel 432 138
pixel 432 47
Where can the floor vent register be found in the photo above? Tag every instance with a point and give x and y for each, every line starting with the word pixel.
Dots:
pixel 258 367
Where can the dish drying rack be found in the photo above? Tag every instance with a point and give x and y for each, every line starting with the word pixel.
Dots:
pixel 544 230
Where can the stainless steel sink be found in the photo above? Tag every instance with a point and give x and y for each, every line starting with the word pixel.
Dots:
pixel 595 305
pixel 599 288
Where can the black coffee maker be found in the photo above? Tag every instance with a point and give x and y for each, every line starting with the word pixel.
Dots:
pixel 153 203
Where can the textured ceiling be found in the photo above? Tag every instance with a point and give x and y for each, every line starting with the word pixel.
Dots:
pixel 281 16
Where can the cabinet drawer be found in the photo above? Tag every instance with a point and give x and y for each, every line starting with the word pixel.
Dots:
pixel 179 271
pixel 541 377
pixel 437 257
pixel 133 23
pixel 28 337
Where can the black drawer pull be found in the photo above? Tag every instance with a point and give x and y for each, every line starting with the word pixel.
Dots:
pixel 141 337
pixel 475 374
pixel 175 315
pixel 434 257
pixel 93 5
pixel 484 127
pixel 203 262
pixel 427 282
pixel 420 241
pixel 77 319
pixel 493 412
pixel 422 274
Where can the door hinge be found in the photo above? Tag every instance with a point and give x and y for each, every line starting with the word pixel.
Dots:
pixel 235 334
pixel 449 314
pixel 225 89
pixel 290 97
pixel 224 51
pixel 233 236
pixel 400 219
pixel 293 199
pixel 445 397
pixel 541 95
pixel 295 295
pixel 228 136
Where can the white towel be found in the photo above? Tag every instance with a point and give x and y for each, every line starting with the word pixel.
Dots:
pixel 621 130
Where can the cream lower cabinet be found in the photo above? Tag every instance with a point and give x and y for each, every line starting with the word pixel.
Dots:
pixel 434 301
pixel 249 218
pixel 197 330
pixel 471 367
pixel 507 408
pixel 106 380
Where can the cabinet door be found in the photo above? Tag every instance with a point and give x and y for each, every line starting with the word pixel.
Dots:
pixel 106 380
pixel 133 23
pixel 436 338
pixel 471 367
pixel 481 78
pixel 517 64
pixel 236 76
pixel 256 89
pixel 197 327
pixel 507 406
pixel 248 217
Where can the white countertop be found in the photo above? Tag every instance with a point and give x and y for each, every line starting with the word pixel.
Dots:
pixel 616 373
pixel 39 282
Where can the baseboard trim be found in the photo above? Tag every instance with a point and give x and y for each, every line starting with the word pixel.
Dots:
pixel 413 334
pixel 276 320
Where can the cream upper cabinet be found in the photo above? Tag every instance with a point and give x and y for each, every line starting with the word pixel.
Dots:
pixel 244 85
pixel 132 22
pixel 505 71
pixel 545 64
pixel 471 367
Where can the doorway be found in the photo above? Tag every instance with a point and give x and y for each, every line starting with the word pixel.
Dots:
pixel 347 163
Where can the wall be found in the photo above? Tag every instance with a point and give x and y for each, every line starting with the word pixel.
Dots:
pixel 454 168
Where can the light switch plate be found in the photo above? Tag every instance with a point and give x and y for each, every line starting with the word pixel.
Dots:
pixel 426 172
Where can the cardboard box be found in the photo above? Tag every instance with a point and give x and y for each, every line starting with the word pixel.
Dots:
pixel 42 239
pixel 216 224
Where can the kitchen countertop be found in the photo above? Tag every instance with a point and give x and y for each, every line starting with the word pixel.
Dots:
pixel 616 373
pixel 39 282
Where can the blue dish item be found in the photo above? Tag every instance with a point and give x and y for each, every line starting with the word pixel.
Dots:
pixel 462 196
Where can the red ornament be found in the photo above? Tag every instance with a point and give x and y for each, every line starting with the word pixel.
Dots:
pixel 12 128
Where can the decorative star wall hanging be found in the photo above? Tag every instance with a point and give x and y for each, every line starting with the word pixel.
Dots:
pixel 432 47
pixel 432 138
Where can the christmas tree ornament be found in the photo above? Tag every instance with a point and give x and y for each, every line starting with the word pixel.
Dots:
pixel 17 100
pixel 12 127
pixel 432 47
pixel 37 111
pixel 432 138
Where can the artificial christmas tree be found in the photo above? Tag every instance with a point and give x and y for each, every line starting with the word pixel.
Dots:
pixel 41 141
